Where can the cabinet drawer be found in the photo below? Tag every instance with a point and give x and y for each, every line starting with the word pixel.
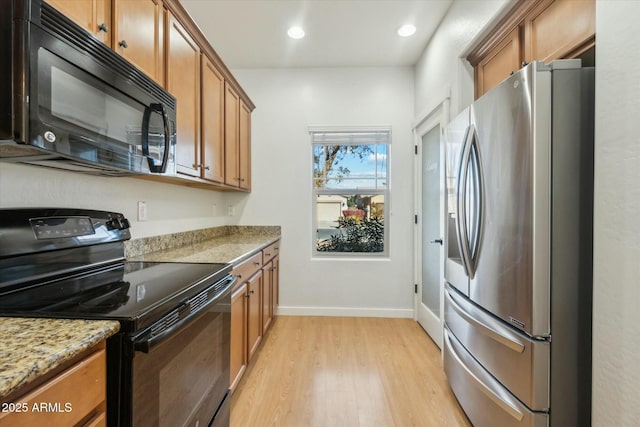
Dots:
pixel 270 251
pixel 65 399
pixel 247 268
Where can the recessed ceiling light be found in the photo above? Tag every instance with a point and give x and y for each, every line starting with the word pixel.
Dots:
pixel 406 30
pixel 295 32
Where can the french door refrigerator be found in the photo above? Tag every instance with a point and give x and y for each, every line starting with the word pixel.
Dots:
pixel 517 335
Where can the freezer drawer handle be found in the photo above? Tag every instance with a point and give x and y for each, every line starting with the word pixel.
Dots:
pixel 506 406
pixel 488 330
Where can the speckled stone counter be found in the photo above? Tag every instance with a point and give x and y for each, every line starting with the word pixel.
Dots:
pixel 30 348
pixel 229 244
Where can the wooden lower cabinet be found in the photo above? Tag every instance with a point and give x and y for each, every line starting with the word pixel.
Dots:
pixel 74 397
pixel 275 286
pixel 254 314
pixel 238 334
pixel 254 302
pixel 267 296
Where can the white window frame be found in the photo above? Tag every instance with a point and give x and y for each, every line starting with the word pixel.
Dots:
pixel 315 192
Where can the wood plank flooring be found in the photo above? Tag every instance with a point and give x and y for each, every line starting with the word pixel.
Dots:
pixel 334 371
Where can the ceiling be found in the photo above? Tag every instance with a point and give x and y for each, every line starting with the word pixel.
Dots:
pixel 339 33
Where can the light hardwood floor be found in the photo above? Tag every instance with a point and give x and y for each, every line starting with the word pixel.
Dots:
pixel 334 371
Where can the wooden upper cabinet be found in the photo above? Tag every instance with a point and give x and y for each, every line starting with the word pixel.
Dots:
pixel 92 15
pixel 212 122
pixel 534 30
pixel 231 136
pixel 499 63
pixel 559 29
pixel 139 35
pixel 245 146
pixel 183 82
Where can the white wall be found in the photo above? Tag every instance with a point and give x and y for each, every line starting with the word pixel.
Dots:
pixel 616 315
pixel 442 65
pixel 171 208
pixel 288 101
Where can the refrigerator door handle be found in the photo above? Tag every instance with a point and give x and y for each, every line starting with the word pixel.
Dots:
pixel 461 208
pixel 499 400
pixel 478 200
pixel 509 342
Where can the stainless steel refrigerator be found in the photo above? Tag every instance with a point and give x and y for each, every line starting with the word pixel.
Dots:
pixel 519 167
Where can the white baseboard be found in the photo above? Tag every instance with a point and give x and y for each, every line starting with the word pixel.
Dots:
pixel 346 312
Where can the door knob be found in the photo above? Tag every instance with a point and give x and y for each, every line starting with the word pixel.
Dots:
pixel 436 241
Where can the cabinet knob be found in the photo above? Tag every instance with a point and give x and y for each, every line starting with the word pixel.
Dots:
pixel 252 291
pixel 267 254
pixel 256 263
pixel 123 44
pixel 103 27
pixel 241 179
pixel 247 296
pixel 239 276
pixel 207 167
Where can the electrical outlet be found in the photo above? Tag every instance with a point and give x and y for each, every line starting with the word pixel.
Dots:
pixel 231 210
pixel 142 211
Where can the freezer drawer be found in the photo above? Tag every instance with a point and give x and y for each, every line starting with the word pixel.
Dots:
pixel 516 361
pixel 485 401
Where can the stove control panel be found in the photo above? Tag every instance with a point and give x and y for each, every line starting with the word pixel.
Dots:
pixel 57 227
pixel 29 231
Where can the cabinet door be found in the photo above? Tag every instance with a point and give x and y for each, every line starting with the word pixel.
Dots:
pixel 498 63
pixel 254 316
pixel 559 29
pixel 82 387
pixel 275 286
pixel 92 15
pixel 245 146
pixel 212 122
pixel 139 35
pixel 183 81
pixel 238 335
pixel 267 295
pixel 231 136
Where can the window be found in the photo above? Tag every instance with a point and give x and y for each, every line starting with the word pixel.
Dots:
pixel 350 191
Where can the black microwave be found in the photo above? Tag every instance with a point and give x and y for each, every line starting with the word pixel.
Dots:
pixel 68 101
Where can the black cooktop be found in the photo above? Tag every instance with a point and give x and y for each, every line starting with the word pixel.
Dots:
pixel 134 293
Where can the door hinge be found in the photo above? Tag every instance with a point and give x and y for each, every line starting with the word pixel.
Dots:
pixel 415 288
pixel 415 219
pixel 415 149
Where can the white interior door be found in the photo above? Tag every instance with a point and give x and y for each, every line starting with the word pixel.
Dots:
pixel 430 250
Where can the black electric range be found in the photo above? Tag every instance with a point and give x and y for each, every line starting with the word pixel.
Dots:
pixel 69 263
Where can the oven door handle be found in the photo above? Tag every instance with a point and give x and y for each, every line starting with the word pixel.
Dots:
pixel 146 345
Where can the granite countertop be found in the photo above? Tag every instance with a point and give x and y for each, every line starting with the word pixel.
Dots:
pixel 29 348
pixel 229 248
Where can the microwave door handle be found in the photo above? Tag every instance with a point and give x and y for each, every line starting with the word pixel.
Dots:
pixel 461 220
pixel 167 137
pixel 159 108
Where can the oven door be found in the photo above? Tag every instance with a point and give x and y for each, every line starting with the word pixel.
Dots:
pixel 181 378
